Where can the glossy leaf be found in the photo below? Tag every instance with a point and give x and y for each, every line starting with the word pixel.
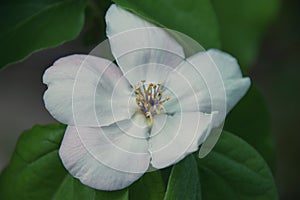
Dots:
pixel 234 170
pixel 94 27
pixel 149 187
pixel 36 172
pixel 193 18
pixel 184 181
pixel 28 26
pixel 250 121
pixel 242 26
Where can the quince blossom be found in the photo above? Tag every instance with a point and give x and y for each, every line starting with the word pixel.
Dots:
pixel 156 108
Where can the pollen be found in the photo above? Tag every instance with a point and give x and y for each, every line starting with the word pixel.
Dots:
pixel 149 99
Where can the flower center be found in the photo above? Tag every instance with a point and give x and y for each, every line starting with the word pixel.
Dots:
pixel 149 99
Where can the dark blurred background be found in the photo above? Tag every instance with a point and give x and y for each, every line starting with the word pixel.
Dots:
pixel 276 72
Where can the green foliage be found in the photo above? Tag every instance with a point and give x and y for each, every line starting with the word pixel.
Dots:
pixel 242 25
pixel 184 181
pixel 36 172
pixel 235 170
pixel 149 187
pixel 94 32
pixel 236 26
pixel 193 18
pixel 250 121
pixel 28 26
pixel 48 23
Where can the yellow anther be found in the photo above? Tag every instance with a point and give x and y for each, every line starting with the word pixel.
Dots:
pixel 148 114
pixel 148 98
pixel 140 92
pixel 162 101
pixel 149 88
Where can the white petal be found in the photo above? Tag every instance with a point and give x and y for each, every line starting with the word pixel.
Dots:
pixel 105 158
pixel 236 86
pixel 227 64
pixel 182 92
pixel 173 137
pixel 214 78
pixel 87 91
pixel 135 42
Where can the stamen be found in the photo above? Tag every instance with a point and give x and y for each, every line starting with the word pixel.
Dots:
pixel 149 99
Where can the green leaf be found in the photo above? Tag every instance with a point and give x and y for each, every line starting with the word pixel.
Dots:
pixel 234 170
pixel 28 26
pixel 36 172
pixel 149 187
pixel 242 26
pixel 184 182
pixel 250 121
pixel 94 27
pixel 193 18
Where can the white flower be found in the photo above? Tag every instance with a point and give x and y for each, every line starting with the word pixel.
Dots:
pixel 152 110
